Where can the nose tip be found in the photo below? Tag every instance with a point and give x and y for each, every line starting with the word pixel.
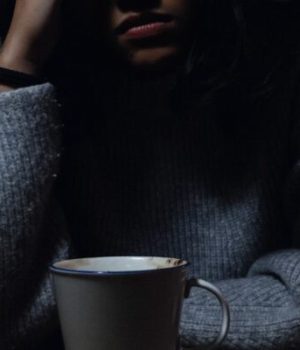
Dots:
pixel 137 5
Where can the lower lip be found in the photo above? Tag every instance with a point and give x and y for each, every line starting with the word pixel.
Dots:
pixel 147 30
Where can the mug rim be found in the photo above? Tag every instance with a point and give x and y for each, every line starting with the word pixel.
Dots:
pixel 181 263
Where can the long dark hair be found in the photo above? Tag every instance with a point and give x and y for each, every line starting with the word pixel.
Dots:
pixel 246 44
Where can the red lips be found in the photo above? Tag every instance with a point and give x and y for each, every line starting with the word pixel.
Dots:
pixel 144 25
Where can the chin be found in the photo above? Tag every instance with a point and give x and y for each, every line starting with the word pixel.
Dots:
pixel 154 58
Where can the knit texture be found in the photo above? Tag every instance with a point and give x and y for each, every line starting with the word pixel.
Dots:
pixel 157 185
pixel 32 232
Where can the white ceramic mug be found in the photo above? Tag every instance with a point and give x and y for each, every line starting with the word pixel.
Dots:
pixel 125 303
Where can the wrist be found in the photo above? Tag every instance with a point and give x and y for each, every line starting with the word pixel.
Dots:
pixel 18 63
pixel 5 88
pixel 18 79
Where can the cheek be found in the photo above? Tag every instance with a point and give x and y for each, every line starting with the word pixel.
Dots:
pixel 178 7
pixel 184 10
pixel 153 57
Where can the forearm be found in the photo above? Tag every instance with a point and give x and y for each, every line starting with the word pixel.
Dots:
pixel 33 24
pixel 16 73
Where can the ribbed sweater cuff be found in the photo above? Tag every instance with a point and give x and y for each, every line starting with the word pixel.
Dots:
pixel 34 99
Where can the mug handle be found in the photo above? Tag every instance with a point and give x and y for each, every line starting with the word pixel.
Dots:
pixel 196 282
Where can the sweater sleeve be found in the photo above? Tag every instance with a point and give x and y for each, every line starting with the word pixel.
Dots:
pixel 32 230
pixel 265 305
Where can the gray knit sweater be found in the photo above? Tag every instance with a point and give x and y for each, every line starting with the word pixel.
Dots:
pixel 168 187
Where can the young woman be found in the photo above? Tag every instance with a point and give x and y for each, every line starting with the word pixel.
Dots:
pixel 175 134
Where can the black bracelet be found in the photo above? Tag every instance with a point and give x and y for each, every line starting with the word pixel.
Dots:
pixel 18 79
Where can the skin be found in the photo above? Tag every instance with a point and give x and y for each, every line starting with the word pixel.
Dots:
pixel 34 31
pixel 155 54
pixel 32 36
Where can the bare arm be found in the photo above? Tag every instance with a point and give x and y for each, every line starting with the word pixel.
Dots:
pixel 31 38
